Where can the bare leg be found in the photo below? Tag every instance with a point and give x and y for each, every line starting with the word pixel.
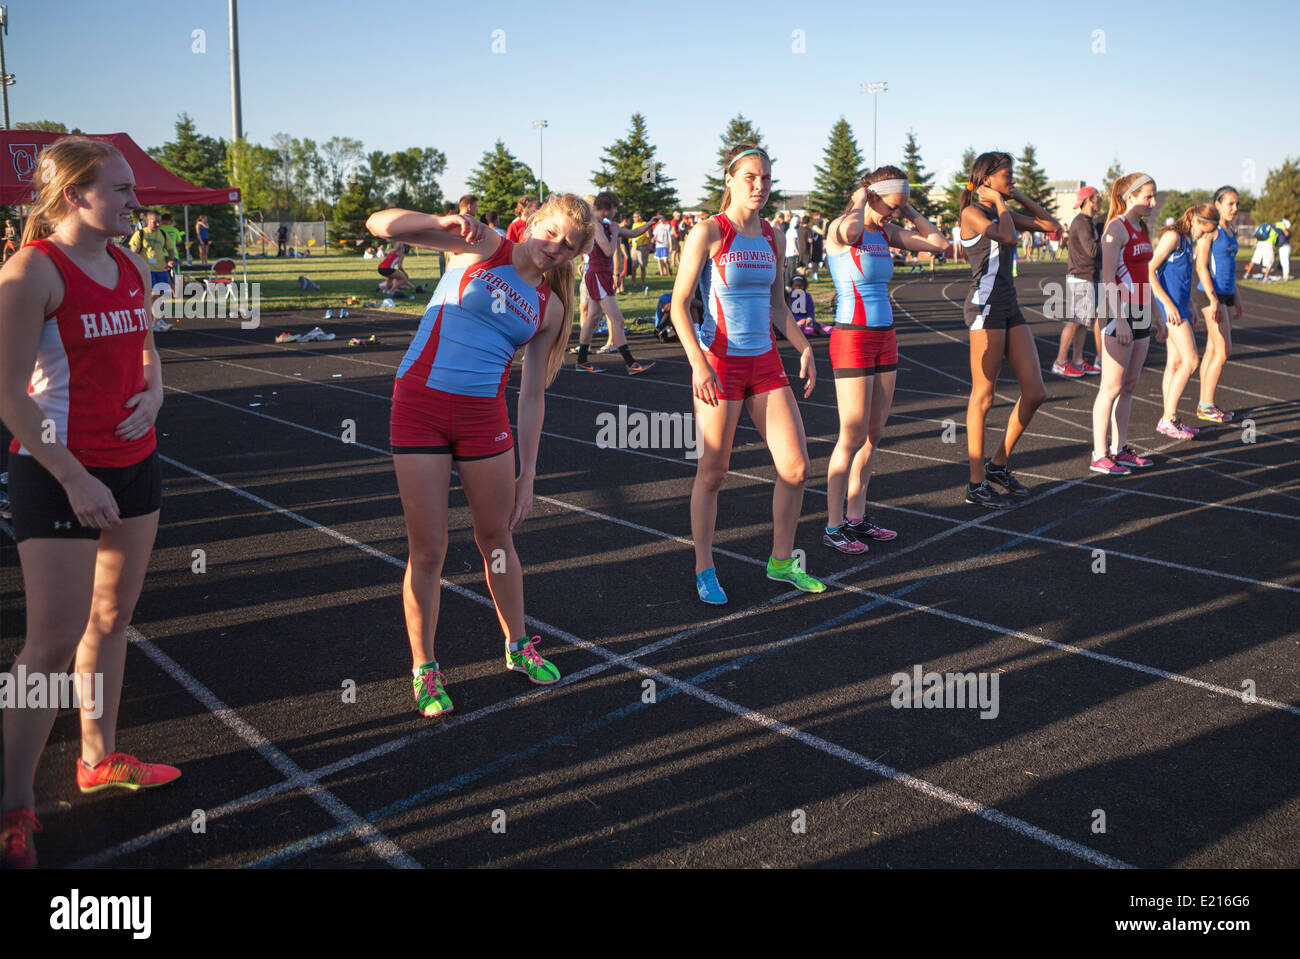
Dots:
pixel 1113 362
pixel 776 414
pixel 882 400
pixel 58 577
pixel 490 488
pixel 1023 356
pixel 423 479
pixel 120 566
pixel 851 396
pixel 986 348
pixel 715 428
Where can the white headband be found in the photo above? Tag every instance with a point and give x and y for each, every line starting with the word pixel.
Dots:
pixel 882 187
pixel 1136 185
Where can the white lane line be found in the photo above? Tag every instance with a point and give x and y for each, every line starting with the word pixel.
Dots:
pixel 883 449
pixel 295 776
pixel 1139 398
pixel 301 779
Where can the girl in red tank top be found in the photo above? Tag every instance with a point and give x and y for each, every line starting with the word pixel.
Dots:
pixel 1127 321
pixel 80 387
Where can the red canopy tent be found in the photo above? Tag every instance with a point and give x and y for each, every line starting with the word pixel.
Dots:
pixel 154 184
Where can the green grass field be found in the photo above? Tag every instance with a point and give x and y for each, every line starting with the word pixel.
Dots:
pixel 341 275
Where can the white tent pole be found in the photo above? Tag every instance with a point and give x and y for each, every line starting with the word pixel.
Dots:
pixel 243 244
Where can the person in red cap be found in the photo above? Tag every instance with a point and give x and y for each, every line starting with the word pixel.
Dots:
pixel 1083 267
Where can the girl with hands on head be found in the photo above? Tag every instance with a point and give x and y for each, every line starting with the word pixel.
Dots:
pixel 1127 317
pixel 449 404
pixel 738 262
pixel 864 346
pixel 80 388
pixel 1171 283
pixel 989 231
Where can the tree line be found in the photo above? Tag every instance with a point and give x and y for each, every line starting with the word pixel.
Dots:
pixel 339 181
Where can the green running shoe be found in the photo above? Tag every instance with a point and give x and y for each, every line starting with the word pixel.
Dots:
pixel 523 656
pixel 789 572
pixel 431 697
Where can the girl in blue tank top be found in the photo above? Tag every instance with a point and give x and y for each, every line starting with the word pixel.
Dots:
pixel 864 346
pixel 449 404
pixel 1171 268
pixel 1216 266
pixel 737 262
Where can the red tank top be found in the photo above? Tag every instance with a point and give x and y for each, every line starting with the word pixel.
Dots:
pixel 1132 274
pixel 90 361
pixel 598 260
pixel 388 261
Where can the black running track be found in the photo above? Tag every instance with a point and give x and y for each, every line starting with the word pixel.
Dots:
pixel 1159 699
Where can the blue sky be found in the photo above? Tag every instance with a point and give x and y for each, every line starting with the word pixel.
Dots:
pixel 1116 80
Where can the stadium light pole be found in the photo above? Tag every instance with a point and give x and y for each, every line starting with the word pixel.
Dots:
pixel 539 125
pixel 875 88
pixel 237 124
pixel 6 78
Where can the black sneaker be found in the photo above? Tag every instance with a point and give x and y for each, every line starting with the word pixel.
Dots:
pixel 842 538
pixel 984 495
pixel 6 510
pixel 1002 476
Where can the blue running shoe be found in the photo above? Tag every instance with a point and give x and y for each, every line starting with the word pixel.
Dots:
pixel 706 584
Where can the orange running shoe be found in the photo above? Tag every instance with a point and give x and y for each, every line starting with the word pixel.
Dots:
pixel 17 849
pixel 121 769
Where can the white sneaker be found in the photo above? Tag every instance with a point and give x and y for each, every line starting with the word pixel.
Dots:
pixel 162 326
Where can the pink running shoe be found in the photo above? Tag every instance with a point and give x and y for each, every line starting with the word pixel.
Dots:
pixel 1174 429
pixel 1126 457
pixel 1109 467
pixel 1183 426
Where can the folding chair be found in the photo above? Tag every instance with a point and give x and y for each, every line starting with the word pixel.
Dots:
pixel 222 277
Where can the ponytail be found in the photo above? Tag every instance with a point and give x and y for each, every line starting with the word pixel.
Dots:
pixel 985 165
pixel 1204 211
pixel 561 278
pixel 71 161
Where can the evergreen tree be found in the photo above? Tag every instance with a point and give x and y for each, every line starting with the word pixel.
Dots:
pixel 951 208
pixel 920 181
pixel 629 170
pixel 354 206
pixel 202 161
pixel 1031 180
pixel 499 181
pixel 739 130
pixel 1113 173
pixel 835 181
